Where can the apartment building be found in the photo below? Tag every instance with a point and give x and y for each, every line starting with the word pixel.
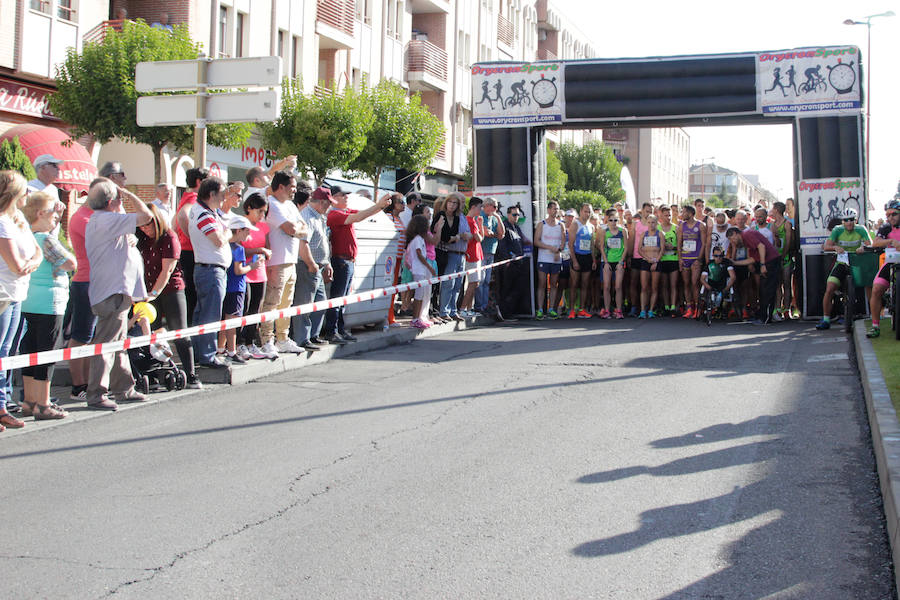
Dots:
pixel 707 179
pixel 427 46
pixel 657 159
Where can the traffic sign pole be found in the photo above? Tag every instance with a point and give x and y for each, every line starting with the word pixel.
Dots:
pixel 200 131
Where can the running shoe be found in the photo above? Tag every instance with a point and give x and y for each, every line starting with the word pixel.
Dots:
pixel 269 351
pixel 633 312
pixel 572 314
pixel 256 352
pixel 651 315
pixel 234 358
pixel 618 314
pixel 874 332
pixel 552 314
pixel 539 315
pixel 689 313
pixel 418 324
pixel 604 314
pixel 823 324
pixel 642 315
pixel 746 314
pixel 795 313
pixel 243 352
pixel 288 347
pixel 583 314
pixel 777 317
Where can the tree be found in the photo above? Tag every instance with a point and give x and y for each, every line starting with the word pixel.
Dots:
pixel 325 132
pixel 96 95
pixel 575 198
pixel 13 158
pixel 404 134
pixel 592 167
pixel 556 177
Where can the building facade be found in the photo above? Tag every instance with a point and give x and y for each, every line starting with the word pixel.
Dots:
pixel 657 159
pixel 708 179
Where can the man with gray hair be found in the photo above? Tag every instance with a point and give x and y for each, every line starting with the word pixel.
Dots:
pixel 116 281
pixel 165 201
pixel 113 170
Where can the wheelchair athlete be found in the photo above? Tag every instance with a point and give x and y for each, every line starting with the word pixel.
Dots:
pixel 717 278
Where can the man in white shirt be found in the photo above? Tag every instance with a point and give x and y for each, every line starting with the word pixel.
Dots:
pixel 47 167
pixel 258 180
pixel 210 236
pixel 413 199
pixel 286 232
pixel 117 281
pixel 165 201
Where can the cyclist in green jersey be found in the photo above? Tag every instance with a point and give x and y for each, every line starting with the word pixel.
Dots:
pixel 612 252
pixel 668 264
pixel 850 237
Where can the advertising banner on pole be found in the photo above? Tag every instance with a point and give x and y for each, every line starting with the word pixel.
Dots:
pixel 517 94
pixel 821 200
pixel 809 81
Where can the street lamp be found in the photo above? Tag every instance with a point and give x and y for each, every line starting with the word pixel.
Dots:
pixel 868 23
pixel 702 182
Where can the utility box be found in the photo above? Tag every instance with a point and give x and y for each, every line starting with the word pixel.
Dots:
pixel 376 261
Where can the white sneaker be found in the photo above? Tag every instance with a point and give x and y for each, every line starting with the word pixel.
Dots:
pixel 243 352
pixel 269 351
pixel 289 346
pixel 256 352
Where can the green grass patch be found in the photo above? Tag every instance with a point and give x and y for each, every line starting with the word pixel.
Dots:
pixel 887 349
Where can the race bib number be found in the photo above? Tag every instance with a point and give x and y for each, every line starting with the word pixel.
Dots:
pixel 740 253
pixel 614 243
pixel 584 245
pixel 689 246
pixel 891 255
pixel 843 258
pixel 651 242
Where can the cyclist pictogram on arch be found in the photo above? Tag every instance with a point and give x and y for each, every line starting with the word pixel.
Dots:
pixel 816 90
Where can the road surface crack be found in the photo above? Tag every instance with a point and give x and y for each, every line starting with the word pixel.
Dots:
pixel 303 501
pixel 68 561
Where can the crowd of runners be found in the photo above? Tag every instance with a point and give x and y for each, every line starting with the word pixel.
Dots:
pixel 659 261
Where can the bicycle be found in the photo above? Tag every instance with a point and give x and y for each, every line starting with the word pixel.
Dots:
pixel 519 98
pixel 892 294
pixel 845 294
pixel 714 301
pixel 816 84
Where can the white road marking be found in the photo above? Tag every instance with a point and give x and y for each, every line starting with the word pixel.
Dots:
pixel 826 357
pixel 830 340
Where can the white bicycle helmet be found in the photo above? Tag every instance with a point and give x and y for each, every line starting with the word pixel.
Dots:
pixel 849 213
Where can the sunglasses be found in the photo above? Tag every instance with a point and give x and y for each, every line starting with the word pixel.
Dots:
pixel 514 214
pixel 718 256
pixel 847 220
pixel 611 220
pixel 892 214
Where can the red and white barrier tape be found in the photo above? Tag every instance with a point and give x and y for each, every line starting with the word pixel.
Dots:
pixel 52 356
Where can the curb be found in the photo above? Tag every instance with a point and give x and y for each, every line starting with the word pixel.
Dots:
pixel 885 437
pixel 215 380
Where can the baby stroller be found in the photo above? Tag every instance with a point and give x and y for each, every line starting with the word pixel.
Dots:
pixel 152 366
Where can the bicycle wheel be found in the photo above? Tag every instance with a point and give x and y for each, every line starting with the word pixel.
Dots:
pixel 849 302
pixel 895 301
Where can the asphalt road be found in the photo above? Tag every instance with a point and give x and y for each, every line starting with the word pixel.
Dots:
pixel 576 459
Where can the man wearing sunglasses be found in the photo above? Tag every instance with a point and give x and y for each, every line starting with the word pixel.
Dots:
pixel 718 276
pixel 848 238
pixel 888 236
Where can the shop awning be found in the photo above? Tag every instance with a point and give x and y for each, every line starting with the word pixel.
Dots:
pixel 78 170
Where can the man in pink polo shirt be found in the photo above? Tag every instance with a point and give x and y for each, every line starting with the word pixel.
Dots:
pixel 80 317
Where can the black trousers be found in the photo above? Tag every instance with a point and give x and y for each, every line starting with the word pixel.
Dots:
pixel 514 288
pixel 768 286
pixel 186 260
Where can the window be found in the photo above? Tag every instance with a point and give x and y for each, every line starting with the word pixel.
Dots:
pixel 281 43
pixel 239 35
pixel 364 11
pixel 40 6
pixel 66 10
pixel 295 57
pixel 463 126
pixel 398 22
pixel 391 17
pixel 223 31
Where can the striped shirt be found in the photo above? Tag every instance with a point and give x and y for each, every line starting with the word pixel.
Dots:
pixel 401 231
pixel 203 221
pixel 318 234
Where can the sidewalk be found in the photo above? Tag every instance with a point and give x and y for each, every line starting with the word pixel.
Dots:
pixel 885 436
pixel 214 379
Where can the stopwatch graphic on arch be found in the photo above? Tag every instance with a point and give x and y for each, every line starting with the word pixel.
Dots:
pixel 544 91
pixel 842 76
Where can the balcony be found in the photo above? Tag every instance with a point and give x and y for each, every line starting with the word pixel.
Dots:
pixel 506 33
pixel 334 23
pixel 98 33
pixel 544 54
pixel 426 67
pixel 429 6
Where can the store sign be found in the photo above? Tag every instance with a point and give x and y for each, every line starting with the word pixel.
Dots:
pixel 516 94
pixel 821 200
pixel 809 81
pixel 24 99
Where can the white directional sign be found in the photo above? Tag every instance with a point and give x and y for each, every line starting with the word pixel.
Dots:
pixel 181 109
pixel 183 75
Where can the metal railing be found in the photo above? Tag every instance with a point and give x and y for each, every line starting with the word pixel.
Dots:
pixel 98 33
pixel 339 14
pixel 423 56
pixel 506 33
